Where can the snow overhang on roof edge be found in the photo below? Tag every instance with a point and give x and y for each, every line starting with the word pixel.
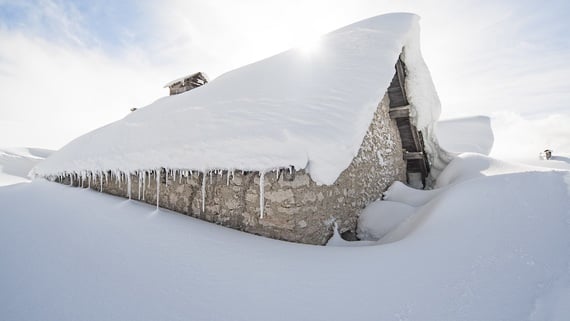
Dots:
pixel 293 108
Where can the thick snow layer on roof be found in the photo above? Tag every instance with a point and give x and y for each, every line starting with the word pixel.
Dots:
pixel 306 110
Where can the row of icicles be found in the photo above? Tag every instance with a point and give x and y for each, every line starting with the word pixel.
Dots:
pixel 144 179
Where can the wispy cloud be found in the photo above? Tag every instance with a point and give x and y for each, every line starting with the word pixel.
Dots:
pixel 55 93
pixel 61 76
pixel 56 20
pixel 70 66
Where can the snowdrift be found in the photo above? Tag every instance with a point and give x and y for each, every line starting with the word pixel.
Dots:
pixel 465 135
pixel 16 163
pixel 490 244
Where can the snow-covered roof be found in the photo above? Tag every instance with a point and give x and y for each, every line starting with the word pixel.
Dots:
pixel 181 79
pixel 308 110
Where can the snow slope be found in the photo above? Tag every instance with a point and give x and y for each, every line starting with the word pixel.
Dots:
pixel 307 110
pixel 465 135
pixel 491 243
pixel 16 163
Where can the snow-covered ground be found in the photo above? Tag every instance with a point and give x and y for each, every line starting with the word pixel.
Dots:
pixel 490 243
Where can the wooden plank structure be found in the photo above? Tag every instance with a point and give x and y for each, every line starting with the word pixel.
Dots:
pixel 186 83
pixel 412 139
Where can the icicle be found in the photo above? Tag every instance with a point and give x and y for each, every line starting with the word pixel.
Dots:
pixel 261 193
pixel 148 184
pixel 157 176
pixel 89 181
pixel 204 192
pixel 139 181
pixel 144 181
pixel 70 180
pixel 210 174
pixel 101 180
pixel 228 178
pixel 277 174
pixel 129 184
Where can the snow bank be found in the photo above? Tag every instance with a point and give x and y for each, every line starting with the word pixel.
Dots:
pixel 379 218
pixel 465 135
pixel 400 211
pixel 16 163
pixel 294 109
pixel 491 245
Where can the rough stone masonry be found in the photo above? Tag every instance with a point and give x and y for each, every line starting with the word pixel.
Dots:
pixel 295 208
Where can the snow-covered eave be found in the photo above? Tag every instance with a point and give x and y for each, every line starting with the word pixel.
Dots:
pixel 425 106
pixel 125 171
pixel 95 179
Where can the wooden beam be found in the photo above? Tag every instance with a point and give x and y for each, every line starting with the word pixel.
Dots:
pixel 413 155
pixel 418 144
pixel 401 73
pixel 399 112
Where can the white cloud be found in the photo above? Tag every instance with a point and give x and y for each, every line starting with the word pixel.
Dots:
pixel 52 93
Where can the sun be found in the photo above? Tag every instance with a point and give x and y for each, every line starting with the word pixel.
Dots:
pixel 310 46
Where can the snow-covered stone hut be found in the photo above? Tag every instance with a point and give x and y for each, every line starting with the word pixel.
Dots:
pixel 285 147
pixel 183 84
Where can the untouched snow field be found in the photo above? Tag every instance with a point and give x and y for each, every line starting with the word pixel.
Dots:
pixel 490 243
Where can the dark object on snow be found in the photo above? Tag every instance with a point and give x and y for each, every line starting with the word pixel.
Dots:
pixel 133 109
pixel 547 154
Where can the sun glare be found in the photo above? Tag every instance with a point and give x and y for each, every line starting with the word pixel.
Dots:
pixel 310 46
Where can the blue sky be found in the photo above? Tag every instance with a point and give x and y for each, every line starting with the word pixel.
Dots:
pixel 89 62
pixel 110 24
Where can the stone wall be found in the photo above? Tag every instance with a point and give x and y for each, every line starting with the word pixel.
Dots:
pixel 295 208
